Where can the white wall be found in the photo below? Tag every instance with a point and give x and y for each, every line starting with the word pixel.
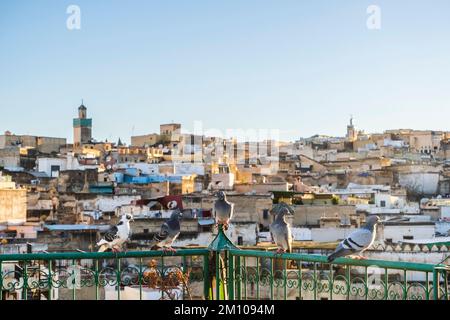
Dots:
pixel 301 234
pixel 391 202
pixel 445 212
pixel 330 234
pixel 146 168
pixel 426 183
pixel 45 165
pixel 247 231
pixel 222 181
pixel 443 227
pixel 189 168
pixel 397 232
pixel 108 203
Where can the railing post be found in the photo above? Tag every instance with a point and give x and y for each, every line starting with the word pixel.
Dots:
pixel 239 284
pixel 25 280
pixel 435 284
pixel 217 277
pixel 206 277
pixel 221 244
pixel 229 258
pixel 446 284
pixel 50 281
pixel 96 279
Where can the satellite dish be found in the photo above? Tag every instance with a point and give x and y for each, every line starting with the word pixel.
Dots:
pixel 172 205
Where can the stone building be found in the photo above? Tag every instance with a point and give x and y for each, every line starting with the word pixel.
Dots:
pixel 13 202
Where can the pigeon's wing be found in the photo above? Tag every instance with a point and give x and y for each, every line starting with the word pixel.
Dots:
pixel 163 233
pixel 231 210
pixel 358 240
pixel 288 236
pixel 111 234
pixel 271 233
pixel 222 210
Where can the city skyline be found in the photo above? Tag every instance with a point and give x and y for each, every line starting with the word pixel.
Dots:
pixel 302 68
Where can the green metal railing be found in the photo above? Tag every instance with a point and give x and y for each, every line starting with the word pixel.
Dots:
pixel 220 272
pixel 265 275
pixel 103 275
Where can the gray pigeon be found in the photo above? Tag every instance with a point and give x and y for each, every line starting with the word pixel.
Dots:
pixel 170 230
pixel 358 241
pixel 117 235
pixel 223 210
pixel 280 231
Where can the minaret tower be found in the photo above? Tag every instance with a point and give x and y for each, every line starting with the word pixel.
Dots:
pixel 351 132
pixel 82 127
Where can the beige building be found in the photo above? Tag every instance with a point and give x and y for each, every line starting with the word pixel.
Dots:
pixel 140 155
pixel 145 140
pixel 42 144
pixel 13 202
pixel 170 129
pixel 311 215
pixel 426 141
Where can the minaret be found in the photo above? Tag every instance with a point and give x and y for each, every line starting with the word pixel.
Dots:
pixel 351 132
pixel 82 127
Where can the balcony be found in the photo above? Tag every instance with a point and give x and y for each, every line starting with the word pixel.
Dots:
pixel 220 272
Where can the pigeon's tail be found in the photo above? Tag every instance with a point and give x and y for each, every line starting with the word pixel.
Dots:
pixel 332 257
pixel 338 253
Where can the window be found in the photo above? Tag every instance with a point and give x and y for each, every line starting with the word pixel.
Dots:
pixel 383 204
pixel 240 241
pixel 265 214
pixel 196 200
pixel 55 171
pixel 145 230
pixel 408 237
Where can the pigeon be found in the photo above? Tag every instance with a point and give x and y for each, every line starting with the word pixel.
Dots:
pixel 358 241
pixel 170 230
pixel 223 210
pixel 117 235
pixel 280 231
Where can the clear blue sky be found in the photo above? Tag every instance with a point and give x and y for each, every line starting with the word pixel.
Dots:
pixel 299 66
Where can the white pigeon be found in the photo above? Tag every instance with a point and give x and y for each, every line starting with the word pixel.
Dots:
pixel 358 241
pixel 115 237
